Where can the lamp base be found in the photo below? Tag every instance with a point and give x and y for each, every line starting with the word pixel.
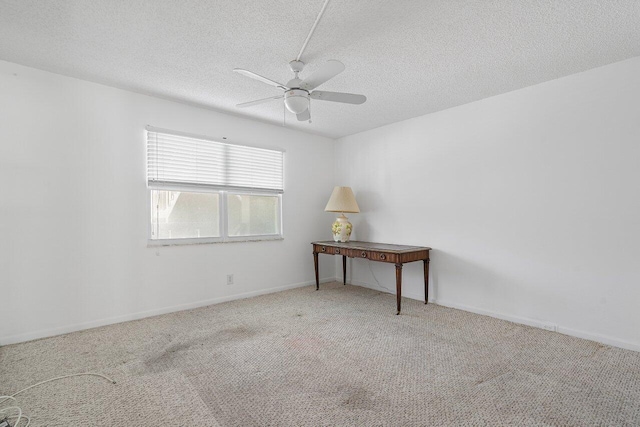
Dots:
pixel 341 229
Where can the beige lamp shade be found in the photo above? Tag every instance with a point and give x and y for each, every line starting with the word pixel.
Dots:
pixel 342 200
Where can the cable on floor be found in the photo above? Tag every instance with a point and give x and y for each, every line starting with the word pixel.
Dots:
pixel 19 417
pixel 23 417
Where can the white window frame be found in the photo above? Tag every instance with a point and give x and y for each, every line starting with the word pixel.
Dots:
pixel 253 237
pixel 223 212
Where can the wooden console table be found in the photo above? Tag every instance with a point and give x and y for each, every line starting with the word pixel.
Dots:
pixel 381 252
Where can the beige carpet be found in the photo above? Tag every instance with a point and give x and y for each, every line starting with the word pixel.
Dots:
pixel 338 357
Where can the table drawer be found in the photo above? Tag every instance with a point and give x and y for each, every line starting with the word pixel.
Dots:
pixel 330 250
pixel 322 249
pixel 357 253
pixel 372 255
pixel 383 257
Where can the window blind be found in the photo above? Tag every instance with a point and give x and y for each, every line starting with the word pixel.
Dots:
pixel 181 160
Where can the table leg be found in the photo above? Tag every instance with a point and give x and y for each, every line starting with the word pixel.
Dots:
pixel 398 285
pixel 315 264
pixel 344 269
pixel 426 280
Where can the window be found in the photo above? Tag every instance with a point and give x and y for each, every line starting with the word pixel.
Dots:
pixel 203 190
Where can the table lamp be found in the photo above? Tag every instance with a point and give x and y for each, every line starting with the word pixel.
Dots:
pixel 342 200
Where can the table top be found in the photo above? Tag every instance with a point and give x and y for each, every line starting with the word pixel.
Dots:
pixel 371 246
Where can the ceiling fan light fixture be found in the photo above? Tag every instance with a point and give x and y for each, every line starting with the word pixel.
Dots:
pixel 296 100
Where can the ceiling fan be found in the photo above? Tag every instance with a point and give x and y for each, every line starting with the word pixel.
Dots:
pixel 297 92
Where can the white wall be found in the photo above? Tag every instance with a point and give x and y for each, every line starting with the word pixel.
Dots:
pixel 530 200
pixel 74 212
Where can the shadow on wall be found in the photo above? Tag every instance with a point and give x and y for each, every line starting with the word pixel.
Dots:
pixel 368 201
pixel 468 281
pixel 470 277
pixel 361 231
pixel 464 276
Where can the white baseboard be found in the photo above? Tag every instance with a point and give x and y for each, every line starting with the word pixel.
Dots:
pixel 615 342
pixel 612 341
pixel 14 339
pixel 45 333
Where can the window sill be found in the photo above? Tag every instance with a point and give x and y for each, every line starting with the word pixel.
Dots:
pixel 209 241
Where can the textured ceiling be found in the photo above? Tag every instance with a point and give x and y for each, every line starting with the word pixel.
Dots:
pixel 409 57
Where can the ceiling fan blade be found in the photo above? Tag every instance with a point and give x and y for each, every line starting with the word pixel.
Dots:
pixel 259 101
pixel 326 72
pixel 348 98
pixel 304 116
pixel 259 78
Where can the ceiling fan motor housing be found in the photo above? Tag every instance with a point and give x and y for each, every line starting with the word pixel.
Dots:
pixel 296 66
pixel 296 100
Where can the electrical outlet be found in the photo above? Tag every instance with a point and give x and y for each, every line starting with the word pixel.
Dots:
pixel 550 327
pixel 229 279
